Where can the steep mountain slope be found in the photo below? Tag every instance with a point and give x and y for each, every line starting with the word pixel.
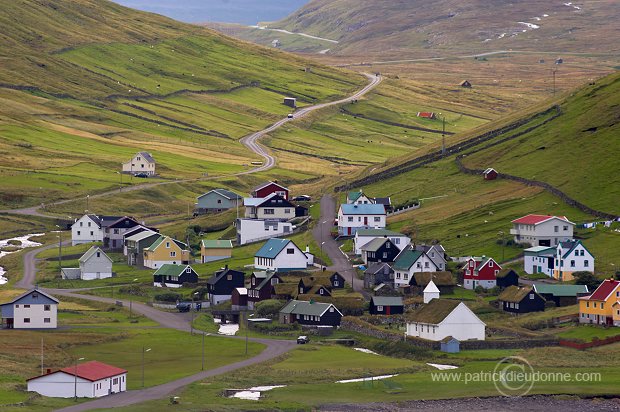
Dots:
pixel 86 83
pixel 424 27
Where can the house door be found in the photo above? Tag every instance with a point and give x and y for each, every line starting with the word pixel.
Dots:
pixel 365 220
pixel 387 310
pixel 610 321
pixel 349 231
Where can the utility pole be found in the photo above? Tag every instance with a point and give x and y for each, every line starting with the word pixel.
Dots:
pixel 87 198
pixel 41 356
pixel 59 250
pixel 143 352
pixel 203 352
pixel 554 70
pixel 443 136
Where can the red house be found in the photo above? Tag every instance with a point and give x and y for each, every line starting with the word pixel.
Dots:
pixel 426 115
pixel 480 272
pixel 490 174
pixel 269 188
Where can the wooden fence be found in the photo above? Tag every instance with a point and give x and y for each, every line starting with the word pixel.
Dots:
pixel 586 345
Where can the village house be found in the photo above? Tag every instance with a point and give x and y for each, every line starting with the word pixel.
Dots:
pixel 134 231
pixel 220 286
pixel 310 313
pixel 32 310
pixel 380 249
pixel 364 236
pixel 436 253
pixel 442 280
pixel 539 259
pixel 480 272
pixel 386 305
pixel 255 230
pixel 135 245
pixel 598 308
pixel 217 200
pixel 86 229
pixel 466 84
pixel 113 234
pixel 353 217
pixel 490 174
pixel 385 201
pixel 166 250
pixel 358 198
pixel 285 291
pixel 507 277
pixel 140 163
pixel 441 318
pixel 378 273
pixel 561 295
pixel 272 207
pixel 281 255
pixel 571 256
pixel 91 379
pixel 174 276
pixel 333 281
pixel 239 299
pixel 269 188
pixel 261 287
pixel 212 250
pixel 94 264
pixel 515 299
pixel 407 263
pixel 313 286
pixel 542 230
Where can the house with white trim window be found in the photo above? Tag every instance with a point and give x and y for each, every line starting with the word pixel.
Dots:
pixel 352 217
pixel 32 310
pixel 408 262
pixel 281 255
pixel 571 256
pixel 542 230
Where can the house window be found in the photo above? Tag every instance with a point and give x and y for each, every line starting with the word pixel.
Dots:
pixel 81 224
pixel 582 252
pixel 168 245
pixel 572 263
pixel 78 233
pixel 46 320
pixel 287 211
pixel 27 306
pixel 229 277
pixel 594 304
pixel 565 227
pixel 26 320
pixel 88 224
pixel 269 211
pixel 385 255
pixel 98 254
pixel 173 254
pixel 419 265
pixel 359 219
pixel 46 308
pixel 92 233
pixel 531 296
pixel 379 308
pixel 301 291
pixel 433 254
pixel 387 245
pixel 397 275
pixel 331 309
pixel 377 219
pixel 188 270
pixel 602 305
pixel 336 283
pixel 219 201
pixel 406 276
pixel 350 219
pixel 556 229
pixel 496 272
pixel 396 241
pixel 426 264
pixel 587 304
pixel 491 264
pixel 115 381
pixel 320 291
pixel 290 251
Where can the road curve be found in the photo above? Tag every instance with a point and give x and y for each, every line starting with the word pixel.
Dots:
pixel 178 321
pixel 250 141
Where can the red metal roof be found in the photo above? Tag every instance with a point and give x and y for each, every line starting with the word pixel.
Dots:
pixel 93 370
pixel 604 290
pixel 536 219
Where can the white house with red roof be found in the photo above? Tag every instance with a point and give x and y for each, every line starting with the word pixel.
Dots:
pixel 480 272
pixel 542 230
pixel 86 380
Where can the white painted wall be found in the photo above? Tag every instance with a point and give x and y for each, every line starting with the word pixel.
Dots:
pixel 359 241
pixel 531 263
pixel 62 385
pixel 357 222
pixel 555 229
pixel 474 283
pixel 461 324
pixel 37 315
pixel 566 264
pixel 250 230
pixel 84 230
pixel 138 164
pixel 284 260
pixel 423 264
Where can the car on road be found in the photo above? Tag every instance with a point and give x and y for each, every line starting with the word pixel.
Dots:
pixel 302 198
pixel 290 115
pixel 301 340
pixel 184 306
pixel 142 175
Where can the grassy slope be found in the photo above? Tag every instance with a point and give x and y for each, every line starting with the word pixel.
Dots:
pixel 397 28
pixel 104 79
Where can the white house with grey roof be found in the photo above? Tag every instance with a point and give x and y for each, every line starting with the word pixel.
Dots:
pixel 281 255
pixel 364 236
pixel 94 264
pixel 32 310
pixel 86 229
pixel 254 230
pixel 539 259
pixel 141 162
pixel 217 200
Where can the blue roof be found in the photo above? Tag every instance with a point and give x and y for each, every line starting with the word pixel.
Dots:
pixel 365 209
pixel 272 248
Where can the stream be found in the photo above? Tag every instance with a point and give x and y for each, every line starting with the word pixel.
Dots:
pixel 25 242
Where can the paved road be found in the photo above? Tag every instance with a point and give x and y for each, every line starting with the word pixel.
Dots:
pixel 322 234
pixel 178 321
pixel 251 142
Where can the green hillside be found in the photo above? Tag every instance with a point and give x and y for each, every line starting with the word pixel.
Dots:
pixel 85 84
pixel 400 27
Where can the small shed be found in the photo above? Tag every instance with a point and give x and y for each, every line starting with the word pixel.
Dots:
pixel 450 345
pixel 559 61
pixel 426 115
pixel 507 277
pixel 239 299
pixel 465 83
pixel 386 305
pixel 490 174
pixel 290 102
pixel 276 43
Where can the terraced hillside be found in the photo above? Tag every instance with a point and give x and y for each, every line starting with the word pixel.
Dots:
pixel 423 28
pixel 85 84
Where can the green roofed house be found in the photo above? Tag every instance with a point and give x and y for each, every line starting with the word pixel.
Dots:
pixel 441 318
pixel 386 305
pixel 358 198
pixel 408 262
pixel 174 276
pixel 212 250
pixel 310 313
pixel 217 200
pixel 562 295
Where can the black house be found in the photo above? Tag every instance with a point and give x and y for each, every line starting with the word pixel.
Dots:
pixel 506 278
pixel 386 305
pixel 521 300
pixel 221 285
pixel 379 250
pixel 378 273
pixel 310 313
pixel 333 281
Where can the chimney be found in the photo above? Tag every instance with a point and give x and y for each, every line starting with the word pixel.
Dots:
pixel 226 266
pixel 48 371
pixel 307 249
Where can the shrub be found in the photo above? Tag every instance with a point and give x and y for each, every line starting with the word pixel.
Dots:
pixel 270 328
pixel 586 278
pixel 269 308
pixel 167 297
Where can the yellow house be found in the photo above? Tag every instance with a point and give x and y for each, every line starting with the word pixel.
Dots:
pixel 211 250
pixel 166 250
pixel 601 307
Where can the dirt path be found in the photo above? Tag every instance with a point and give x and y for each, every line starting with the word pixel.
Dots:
pixel 251 142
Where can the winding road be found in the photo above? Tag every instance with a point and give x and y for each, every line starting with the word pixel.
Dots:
pixel 250 141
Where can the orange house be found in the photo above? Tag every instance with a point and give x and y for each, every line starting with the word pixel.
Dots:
pixel 601 307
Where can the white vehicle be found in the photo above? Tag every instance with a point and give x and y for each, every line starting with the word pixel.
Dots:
pixel 290 115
